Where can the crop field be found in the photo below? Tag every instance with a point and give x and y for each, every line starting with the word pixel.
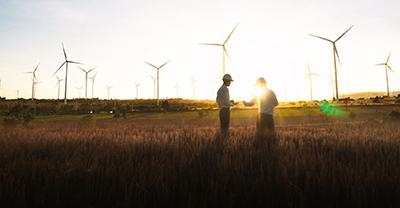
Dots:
pixel 349 158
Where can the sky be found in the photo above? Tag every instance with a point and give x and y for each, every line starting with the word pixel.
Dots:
pixel 272 40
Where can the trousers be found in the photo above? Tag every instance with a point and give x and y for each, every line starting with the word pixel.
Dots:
pixel 265 122
pixel 224 118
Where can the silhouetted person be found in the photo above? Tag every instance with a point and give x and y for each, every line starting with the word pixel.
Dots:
pixel 224 103
pixel 267 102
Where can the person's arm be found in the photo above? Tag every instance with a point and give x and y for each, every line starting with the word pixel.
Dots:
pixel 275 100
pixel 251 102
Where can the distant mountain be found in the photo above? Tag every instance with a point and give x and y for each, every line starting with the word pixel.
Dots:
pixel 357 95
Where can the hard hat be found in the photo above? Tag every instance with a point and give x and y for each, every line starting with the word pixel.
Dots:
pixel 261 80
pixel 227 77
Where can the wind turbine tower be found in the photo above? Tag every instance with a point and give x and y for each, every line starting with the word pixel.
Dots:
pixel 154 85
pixel 137 89
pixel 92 78
pixel 309 76
pixel 58 87
pixel 108 91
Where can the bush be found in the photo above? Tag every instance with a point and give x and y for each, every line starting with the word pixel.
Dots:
pixel 19 114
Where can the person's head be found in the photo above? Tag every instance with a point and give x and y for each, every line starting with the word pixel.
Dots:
pixel 227 79
pixel 261 82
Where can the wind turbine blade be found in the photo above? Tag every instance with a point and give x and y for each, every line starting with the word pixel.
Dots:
pixel 337 53
pixel 382 64
pixel 388 58
pixel 316 36
pixel 65 54
pixel 82 69
pixel 150 65
pixel 59 67
pixel 36 68
pixel 390 68
pixel 74 62
pixel 211 44
pixel 230 34
pixel 344 33
pixel 163 65
pixel 314 74
pixel 308 68
pixel 91 69
pixel 226 52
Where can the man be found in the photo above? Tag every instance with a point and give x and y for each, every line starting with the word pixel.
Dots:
pixel 267 101
pixel 224 103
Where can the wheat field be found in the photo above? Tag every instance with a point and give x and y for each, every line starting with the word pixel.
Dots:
pixel 184 163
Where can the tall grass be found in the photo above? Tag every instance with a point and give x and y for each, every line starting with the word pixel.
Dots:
pixel 163 163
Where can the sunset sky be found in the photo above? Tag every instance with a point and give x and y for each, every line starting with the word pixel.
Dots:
pixel 271 40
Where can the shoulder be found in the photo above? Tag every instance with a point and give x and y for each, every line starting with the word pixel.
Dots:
pixel 223 88
pixel 271 92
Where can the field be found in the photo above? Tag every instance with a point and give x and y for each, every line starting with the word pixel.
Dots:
pixel 350 158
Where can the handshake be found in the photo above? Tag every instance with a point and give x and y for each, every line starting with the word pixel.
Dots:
pixel 233 103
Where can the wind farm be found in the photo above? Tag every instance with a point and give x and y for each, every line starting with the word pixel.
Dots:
pixel 175 104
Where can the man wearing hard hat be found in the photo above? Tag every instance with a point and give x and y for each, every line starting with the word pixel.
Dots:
pixel 224 103
pixel 267 102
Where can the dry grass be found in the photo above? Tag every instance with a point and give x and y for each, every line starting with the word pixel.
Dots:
pixel 117 163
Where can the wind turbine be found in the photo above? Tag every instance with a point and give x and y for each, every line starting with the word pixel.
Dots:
pixel 92 78
pixel 66 62
pixel 386 64
pixel 79 91
pixel 33 80
pixel 86 78
pixel 309 76
pixel 177 89
pixel 0 88
pixel 223 47
pixel 137 89
pixel 335 54
pixel 17 94
pixel 193 87
pixel 154 85
pixel 34 83
pixel 108 91
pixel 58 87
pixel 158 78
